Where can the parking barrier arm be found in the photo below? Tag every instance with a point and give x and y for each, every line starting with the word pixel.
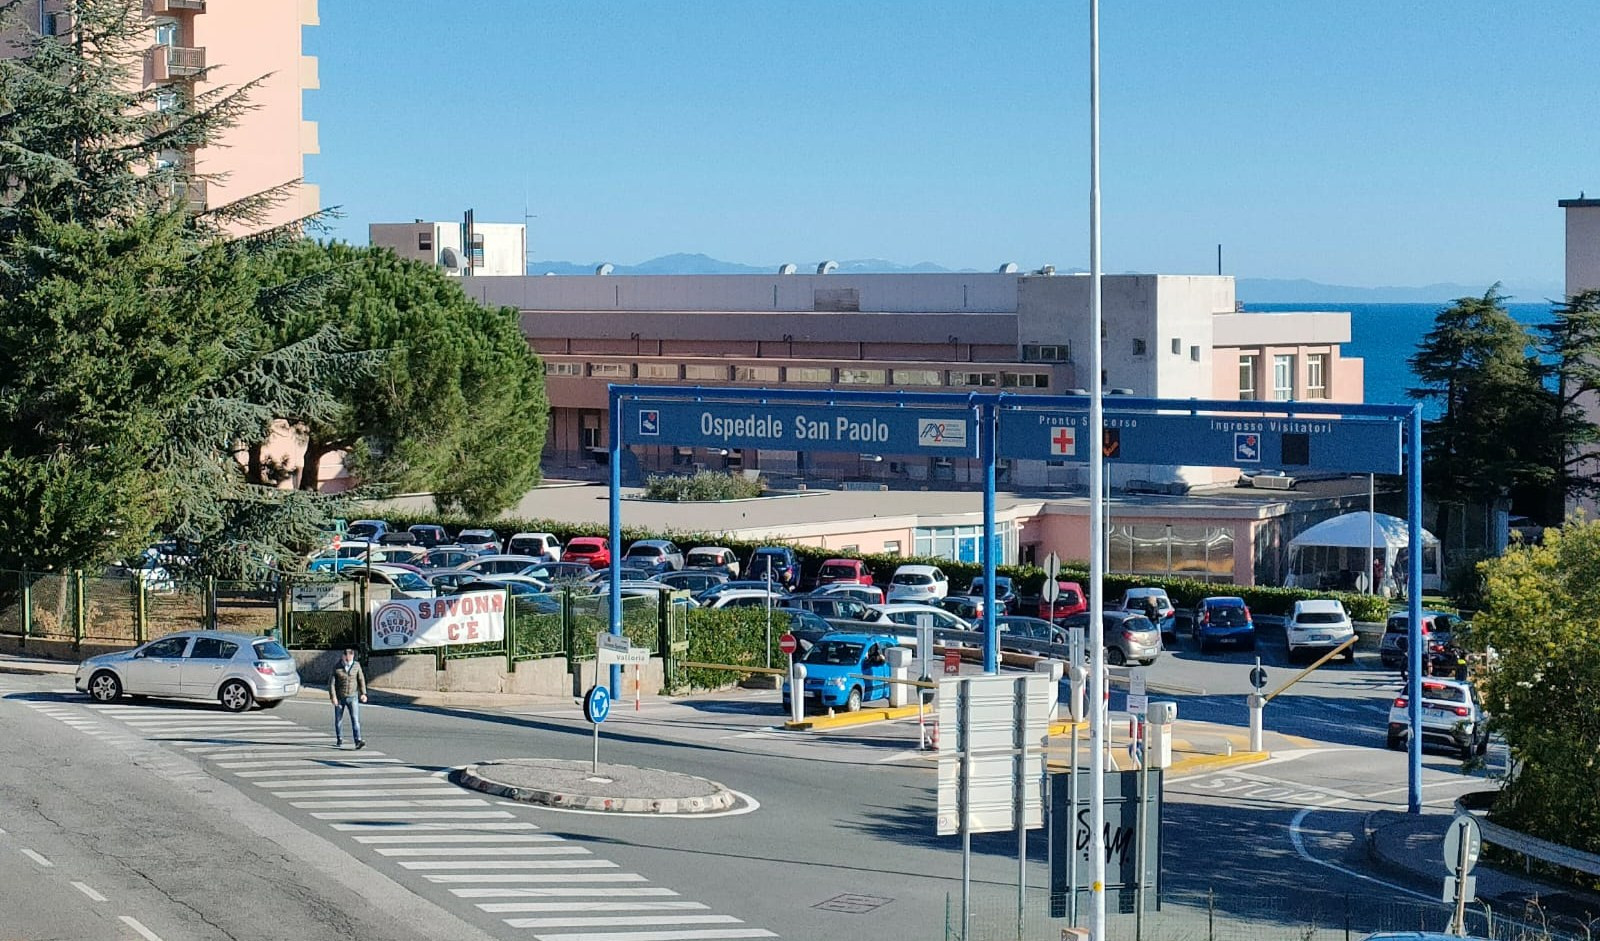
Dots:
pixel 1307 671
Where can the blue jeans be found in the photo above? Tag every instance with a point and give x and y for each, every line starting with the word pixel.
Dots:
pixel 353 704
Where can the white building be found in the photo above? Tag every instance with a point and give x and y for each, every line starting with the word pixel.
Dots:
pixel 498 248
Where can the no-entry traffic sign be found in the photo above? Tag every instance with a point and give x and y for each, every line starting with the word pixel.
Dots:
pixel 788 644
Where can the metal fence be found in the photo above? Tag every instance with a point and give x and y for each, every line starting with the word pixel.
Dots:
pixel 123 609
pixel 1309 916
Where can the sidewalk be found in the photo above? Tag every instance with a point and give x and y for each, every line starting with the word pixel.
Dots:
pixel 1411 847
pixel 36 666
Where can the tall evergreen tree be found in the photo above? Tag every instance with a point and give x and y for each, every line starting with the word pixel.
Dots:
pixel 1570 346
pixel 138 343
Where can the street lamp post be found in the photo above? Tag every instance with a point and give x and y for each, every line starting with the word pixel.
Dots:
pixel 1097 559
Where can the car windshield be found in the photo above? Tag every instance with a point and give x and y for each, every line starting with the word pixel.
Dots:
pixel 1138 623
pixel 913 578
pixel 1227 616
pixel 583 545
pixel 1320 617
pixel 646 550
pixel 1442 692
pixel 270 650
pixel 837 571
pixel 1067 596
pixel 834 652
pixel 409 581
pixel 477 535
pixel 705 558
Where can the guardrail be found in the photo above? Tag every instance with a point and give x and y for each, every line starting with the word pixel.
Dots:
pixel 1530 847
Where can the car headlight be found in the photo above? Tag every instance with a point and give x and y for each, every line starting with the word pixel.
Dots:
pixel 837 682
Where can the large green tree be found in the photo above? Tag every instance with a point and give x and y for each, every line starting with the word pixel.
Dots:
pixel 1570 348
pixel 138 342
pixel 1492 434
pixel 1539 684
pixel 457 407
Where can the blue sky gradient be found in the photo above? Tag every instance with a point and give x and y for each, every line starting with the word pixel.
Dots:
pixel 1361 142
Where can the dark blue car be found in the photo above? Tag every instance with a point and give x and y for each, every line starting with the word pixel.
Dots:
pixel 1223 622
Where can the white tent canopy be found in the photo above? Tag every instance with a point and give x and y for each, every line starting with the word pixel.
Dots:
pixel 1333 554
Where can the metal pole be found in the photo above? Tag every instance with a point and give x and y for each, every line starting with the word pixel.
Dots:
pixel 1414 606
pixel 1140 862
pixel 615 469
pixel 1097 561
pixel 1372 525
pixel 1020 801
pixel 991 631
pixel 769 615
pixel 963 742
pixel 1072 831
pixel 596 765
pixel 1458 924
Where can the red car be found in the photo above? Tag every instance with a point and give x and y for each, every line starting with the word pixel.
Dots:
pixel 1070 601
pixel 845 571
pixel 593 551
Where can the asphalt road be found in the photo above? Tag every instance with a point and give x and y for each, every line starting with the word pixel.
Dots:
pixel 201 825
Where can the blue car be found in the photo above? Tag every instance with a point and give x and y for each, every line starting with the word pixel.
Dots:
pixel 845 669
pixel 1223 622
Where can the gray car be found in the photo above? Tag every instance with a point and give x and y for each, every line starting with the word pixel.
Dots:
pixel 237 670
pixel 1128 636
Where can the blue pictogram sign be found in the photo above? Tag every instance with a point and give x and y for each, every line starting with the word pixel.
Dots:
pixel 1246 448
pixel 597 704
pixel 649 423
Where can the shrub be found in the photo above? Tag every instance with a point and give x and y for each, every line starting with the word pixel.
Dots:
pixel 731 635
pixel 702 485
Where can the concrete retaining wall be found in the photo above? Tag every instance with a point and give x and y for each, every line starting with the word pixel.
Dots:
pixel 62 650
pixel 549 676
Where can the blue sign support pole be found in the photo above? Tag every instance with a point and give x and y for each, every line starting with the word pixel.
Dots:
pixel 1414 651
pixel 615 616
pixel 988 426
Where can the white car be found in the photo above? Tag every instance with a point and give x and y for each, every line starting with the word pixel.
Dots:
pixel 918 583
pixel 1318 625
pixel 866 594
pixel 910 615
pixel 747 598
pixel 493 566
pixel 1452 715
pixel 237 670
pixel 543 546
pixel 402 583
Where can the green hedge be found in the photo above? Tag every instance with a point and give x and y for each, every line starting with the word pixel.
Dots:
pixel 701 486
pixel 731 635
pixel 1185 593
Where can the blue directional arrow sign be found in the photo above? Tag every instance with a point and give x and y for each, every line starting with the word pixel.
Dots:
pixel 597 704
pixel 874 429
pixel 1314 443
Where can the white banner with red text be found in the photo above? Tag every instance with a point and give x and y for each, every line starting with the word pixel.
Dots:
pixel 477 617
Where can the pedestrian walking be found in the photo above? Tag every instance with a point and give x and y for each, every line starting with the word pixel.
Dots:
pixel 348 690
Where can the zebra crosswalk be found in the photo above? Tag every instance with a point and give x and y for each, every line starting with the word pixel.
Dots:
pixel 415 825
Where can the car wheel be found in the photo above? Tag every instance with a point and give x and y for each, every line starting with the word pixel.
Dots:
pixel 1205 647
pixel 1483 746
pixel 105 687
pixel 1468 750
pixel 270 703
pixel 1293 653
pixel 1397 742
pixel 1115 656
pixel 235 696
pixel 1350 654
pixel 853 704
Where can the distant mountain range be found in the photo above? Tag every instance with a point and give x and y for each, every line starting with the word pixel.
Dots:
pixel 1250 290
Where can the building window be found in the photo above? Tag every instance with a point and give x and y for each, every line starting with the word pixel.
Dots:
pixel 658 370
pixel 1041 353
pixel 1027 380
pixel 477 250
pixel 589 431
pixel 611 370
pixel 1177 346
pixel 863 377
pixel 891 547
pixel 1247 377
pixel 166 100
pixel 1317 376
pixel 1138 347
pixel 1283 377
pixel 706 373
pixel 424 241
pixel 809 374
pixel 166 34
pixel 755 374
pixel 974 378
pixel 1194 353
pixel 918 377
pixel 563 369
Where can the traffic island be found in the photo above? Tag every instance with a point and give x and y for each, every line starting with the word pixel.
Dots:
pixel 582 785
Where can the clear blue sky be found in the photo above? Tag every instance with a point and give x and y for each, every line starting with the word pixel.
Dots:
pixel 1362 142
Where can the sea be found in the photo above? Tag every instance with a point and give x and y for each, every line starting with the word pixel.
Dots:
pixel 1386 336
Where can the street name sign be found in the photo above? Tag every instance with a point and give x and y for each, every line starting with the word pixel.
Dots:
pixel 1347 445
pixel 881 429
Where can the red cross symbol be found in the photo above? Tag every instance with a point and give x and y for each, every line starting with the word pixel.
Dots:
pixel 1063 441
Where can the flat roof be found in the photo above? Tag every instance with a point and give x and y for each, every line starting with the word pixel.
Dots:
pixel 1579 203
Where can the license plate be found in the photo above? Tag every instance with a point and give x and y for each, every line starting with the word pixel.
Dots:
pixel 1439 714
pixel 1320 637
pixel 291 689
pixel 813 694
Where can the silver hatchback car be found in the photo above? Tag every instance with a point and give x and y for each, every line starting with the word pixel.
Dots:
pixel 237 670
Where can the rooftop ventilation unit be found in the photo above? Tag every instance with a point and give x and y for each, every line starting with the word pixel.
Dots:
pixel 1047 270
pixel 1272 482
pixel 827 267
pixel 1009 267
pixel 604 269
pixel 787 268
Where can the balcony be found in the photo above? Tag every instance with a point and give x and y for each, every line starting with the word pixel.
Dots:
pixel 170 62
pixel 175 6
pixel 192 192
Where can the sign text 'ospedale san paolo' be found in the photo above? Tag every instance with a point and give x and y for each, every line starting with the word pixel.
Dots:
pixel 879 430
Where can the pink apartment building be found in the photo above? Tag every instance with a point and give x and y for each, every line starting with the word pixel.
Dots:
pixel 197 45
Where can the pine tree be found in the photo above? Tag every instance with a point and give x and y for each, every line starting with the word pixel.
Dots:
pixel 140 345
pixel 1570 345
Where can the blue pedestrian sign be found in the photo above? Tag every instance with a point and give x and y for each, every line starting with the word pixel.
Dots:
pixel 597 704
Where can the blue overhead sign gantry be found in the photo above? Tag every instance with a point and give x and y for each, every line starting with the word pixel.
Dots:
pixel 1315 437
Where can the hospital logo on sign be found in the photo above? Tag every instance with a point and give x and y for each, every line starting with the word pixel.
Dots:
pixel 1246 447
pixel 941 433
pixel 649 423
pixel 1063 441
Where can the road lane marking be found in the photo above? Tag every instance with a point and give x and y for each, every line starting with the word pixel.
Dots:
pixel 358 804
pixel 328 772
pixel 485 850
pixel 564 892
pixel 380 815
pixel 461 838
pixel 512 907
pixel 144 932
pixel 90 892
pixel 442 789
pixel 36 857
pixel 709 934
pixel 304 762
pixel 1300 848
pixel 379 826
pixel 505 865
pixel 623 921
pixel 565 878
